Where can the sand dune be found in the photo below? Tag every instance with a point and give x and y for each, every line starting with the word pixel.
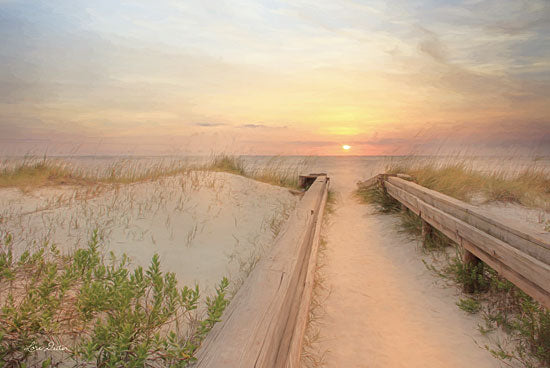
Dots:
pixel 204 225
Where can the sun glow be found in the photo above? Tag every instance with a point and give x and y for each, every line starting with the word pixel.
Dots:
pixel 345 147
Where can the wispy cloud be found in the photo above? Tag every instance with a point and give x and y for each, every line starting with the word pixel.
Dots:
pixel 209 124
pixel 301 72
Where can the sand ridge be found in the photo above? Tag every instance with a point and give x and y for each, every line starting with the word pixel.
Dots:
pixel 203 225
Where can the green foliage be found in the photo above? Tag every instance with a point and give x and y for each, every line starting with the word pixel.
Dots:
pixel 471 276
pixel 469 305
pixel 411 223
pixel 436 240
pixel 377 195
pixel 503 304
pixel 102 312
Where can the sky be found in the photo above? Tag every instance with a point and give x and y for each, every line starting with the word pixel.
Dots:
pixel 274 77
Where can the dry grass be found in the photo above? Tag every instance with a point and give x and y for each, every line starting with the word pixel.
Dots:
pixel 529 187
pixel 38 174
pixel 313 353
pixel 275 171
pixel 32 173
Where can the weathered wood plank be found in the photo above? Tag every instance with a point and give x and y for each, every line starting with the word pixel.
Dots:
pixel 407 199
pixel 369 182
pixel 257 327
pixel 527 272
pixel 503 229
pixel 295 351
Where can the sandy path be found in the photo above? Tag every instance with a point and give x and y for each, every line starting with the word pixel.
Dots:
pixel 385 308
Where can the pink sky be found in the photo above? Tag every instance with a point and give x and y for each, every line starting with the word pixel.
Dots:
pixel 275 77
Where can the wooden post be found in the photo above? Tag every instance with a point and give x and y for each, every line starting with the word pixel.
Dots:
pixel 305 181
pixel 381 179
pixel 470 261
pixel 302 181
pixel 426 231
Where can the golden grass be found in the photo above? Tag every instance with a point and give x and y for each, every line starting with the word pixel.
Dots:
pixel 227 163
pixel 529 187
pixel 33 173
pixel 275 171
pixel 39 174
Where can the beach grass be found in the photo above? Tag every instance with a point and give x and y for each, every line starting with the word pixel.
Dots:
pixel 527 186
pixel 36 172
pixel 502 304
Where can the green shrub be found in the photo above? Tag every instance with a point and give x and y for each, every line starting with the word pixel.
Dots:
pixel 469 305
pixel 100 311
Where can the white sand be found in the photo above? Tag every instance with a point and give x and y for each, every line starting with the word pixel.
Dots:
pixel 203 225
pixel 532 220
pixel 385 309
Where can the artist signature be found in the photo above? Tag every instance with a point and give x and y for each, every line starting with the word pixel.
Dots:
pixel 50 347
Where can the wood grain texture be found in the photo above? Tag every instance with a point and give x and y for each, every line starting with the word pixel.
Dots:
pixel 529 273
pixel 295 352
pixel 369 182
pixel 257 328
pixel 504 229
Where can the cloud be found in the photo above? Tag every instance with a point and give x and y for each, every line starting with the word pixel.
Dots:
pixel 431 45
pixel 312 143
pixel 261 126
pixel 210 124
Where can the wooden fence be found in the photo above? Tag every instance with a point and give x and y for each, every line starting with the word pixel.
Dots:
pixel 265 322
pixel 518 254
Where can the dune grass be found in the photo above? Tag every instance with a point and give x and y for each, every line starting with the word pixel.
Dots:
pixel 38 174
pixel 32 172
pixel 502 304
pixel 86 309
pixel 100 310
pixel 226 163
pixel 273 172
pixel 529 187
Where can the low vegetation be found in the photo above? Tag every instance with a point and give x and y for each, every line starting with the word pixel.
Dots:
pixel 314 354
pixel 273 171
pixel 529 187
pixel 89 310
pixel 32 172
pixel 501 303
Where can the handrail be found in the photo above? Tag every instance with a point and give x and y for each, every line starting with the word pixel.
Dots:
pixel 263 325
pixel 516 253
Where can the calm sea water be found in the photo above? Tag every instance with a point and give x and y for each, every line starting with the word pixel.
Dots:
pixel 344 171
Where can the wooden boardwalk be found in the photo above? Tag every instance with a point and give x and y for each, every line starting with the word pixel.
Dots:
pixel 518 254
pixel 264 324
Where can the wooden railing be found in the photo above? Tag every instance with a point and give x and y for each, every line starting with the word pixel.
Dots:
pixel 265 322
pixel 516 253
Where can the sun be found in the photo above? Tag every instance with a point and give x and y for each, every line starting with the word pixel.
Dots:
pixel 345 147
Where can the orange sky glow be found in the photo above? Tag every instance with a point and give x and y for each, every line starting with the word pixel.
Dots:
pixel 274 77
